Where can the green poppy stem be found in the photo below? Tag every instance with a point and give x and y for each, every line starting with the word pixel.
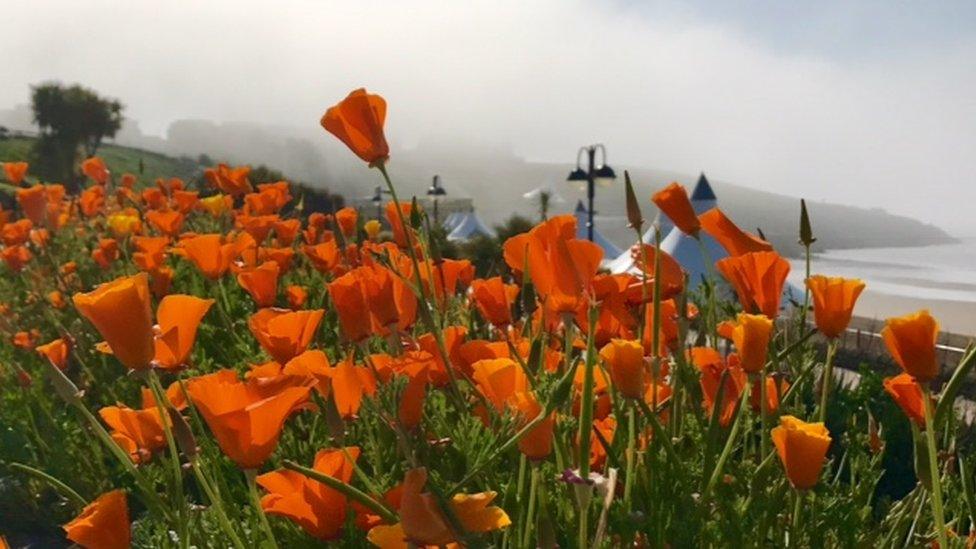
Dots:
pixel 934 468
pixel 828 375
pixel 55 483
pixel 159 395
pixel 252 490
pixel 530 513
pixel 216 504
pixel 348 490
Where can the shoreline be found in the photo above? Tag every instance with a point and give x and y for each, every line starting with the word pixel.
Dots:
pixel 955 317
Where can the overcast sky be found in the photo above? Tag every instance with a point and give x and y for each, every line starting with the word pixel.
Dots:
pixel 862 102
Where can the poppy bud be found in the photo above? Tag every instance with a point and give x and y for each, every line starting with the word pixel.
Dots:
pixel 184 436
pixel 806 231
pixel 634 217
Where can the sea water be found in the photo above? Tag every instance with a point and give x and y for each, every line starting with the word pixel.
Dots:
pixel 943 271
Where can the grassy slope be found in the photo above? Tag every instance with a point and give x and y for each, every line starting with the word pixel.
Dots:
pixel 119 159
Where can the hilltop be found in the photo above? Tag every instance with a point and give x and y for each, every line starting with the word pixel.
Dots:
pixel 496 186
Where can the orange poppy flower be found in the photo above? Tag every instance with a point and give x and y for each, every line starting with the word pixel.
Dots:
pixel 349 384
pixel 217 204
pixel 905 391
pixel 15 171
pixel 24 340
pixel 499 379
pixel 56 351
pixel 751 338
pixel 127 180
pixel 296 296
pixel 494 299
pixel 422 522
pixel 282 256
pixel 319 510
pixel 161 280
pixel 233 181
pixel 261 283
pixel 324 257
pixel 911 341
pixel 185 201
pixel 286 231
pixel 712 368
pixel 245 422
pixel 284 334
pixel 773 393
pixel 33 200
pixel 16 232
pixel 731 237
pixel 179 317
pixel 154 198
pixel 561 267
pixel 56 299
pixel 801 447
pixel 625 361
pixel 167 222
pixel 758 279
pixel 209 254
pixel 121 312
pixel 410 411
pixel 672 275
pixel 350 303
pixel 399 234
pixel 16 257
pixel 95 169
pixel 150 252
pixel 358 122
pixel 673 201
pixel 347 218
pixel 92 201
pixel 103 523
pixel 138 432
pixel 833 302
pixel 258 226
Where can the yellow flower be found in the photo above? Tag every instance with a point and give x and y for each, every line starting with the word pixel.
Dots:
pixel 372 228
pixel 124 224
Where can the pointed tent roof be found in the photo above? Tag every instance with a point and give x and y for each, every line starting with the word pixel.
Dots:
pixel 452 221
pixel 703 189
pixel 468 225
pixel 702 199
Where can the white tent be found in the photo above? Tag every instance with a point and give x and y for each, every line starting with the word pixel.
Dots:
pixel 677 244
pixel 687 251
pixel 610 250
pixel 452 221
pixel 466 225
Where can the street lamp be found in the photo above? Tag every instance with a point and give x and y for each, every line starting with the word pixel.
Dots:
pixel 593 175
pixel 435 192
pixel 377 199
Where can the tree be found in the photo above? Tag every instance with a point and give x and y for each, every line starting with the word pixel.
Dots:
pixel 72 120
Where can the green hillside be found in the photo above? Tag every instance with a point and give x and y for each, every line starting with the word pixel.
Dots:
pixel 119 159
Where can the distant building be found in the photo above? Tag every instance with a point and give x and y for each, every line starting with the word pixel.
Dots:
pixel 455 214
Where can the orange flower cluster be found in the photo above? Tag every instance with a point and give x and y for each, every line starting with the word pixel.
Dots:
pixel 323 324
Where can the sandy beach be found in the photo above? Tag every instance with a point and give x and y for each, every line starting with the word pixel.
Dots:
pixel 956 317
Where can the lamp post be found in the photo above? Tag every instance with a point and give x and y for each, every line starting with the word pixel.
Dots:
pixel 436 191
pixel 594 174
pixel 377 199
